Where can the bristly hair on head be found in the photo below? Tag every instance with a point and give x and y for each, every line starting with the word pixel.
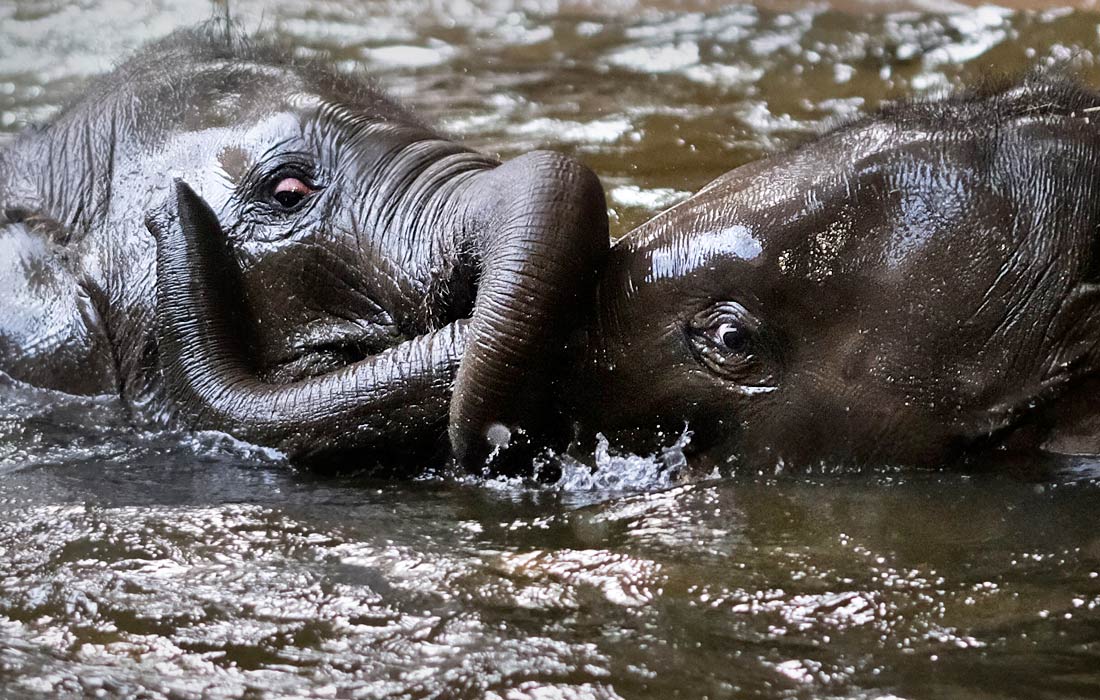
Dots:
pixel 990 102
pixel 225 18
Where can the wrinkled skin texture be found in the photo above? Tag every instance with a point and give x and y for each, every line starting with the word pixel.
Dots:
pixel 917 287
pixel 232 239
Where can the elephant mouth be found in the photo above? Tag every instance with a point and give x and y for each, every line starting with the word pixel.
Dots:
pixel 327 346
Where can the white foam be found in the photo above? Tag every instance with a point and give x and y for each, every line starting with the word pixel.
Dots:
pixel 403 56
pixel 654 198
pixel 657 59
pixel 616 473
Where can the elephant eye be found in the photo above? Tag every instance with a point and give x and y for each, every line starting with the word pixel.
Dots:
pixel 727 327
pixel 290 192
pixel 726 338
pixel 734 336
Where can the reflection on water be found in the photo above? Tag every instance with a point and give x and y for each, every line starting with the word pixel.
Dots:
pixel 149 564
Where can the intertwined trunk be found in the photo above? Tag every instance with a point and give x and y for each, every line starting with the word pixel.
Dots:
pixel 537 229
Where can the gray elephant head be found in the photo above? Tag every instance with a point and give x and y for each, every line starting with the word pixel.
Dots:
pixel 326 272
pixel 361 240
pixel 908 288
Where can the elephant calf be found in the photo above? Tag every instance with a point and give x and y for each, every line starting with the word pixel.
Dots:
pixel 915 287
pixel 238 240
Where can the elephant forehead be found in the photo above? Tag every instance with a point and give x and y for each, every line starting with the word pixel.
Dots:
pixel 224 94
pixel 732 241
pixel 303 123
pixel 243 146
pixel 764 205
pixel 230 150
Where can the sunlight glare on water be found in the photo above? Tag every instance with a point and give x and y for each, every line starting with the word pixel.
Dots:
pixel 141 563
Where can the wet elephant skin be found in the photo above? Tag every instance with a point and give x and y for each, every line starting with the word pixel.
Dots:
pixel 321 271
pixel 910 288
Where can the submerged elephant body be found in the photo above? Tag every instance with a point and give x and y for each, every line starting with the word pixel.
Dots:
pixel 319 271
pixel 919 286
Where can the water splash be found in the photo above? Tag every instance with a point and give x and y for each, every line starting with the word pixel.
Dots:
pixel 615 473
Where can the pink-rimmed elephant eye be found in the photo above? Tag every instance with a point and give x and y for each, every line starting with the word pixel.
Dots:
pixel 290 191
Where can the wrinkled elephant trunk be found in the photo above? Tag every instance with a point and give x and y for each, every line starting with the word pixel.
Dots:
pixel 208 373
pixel 536 227
pixel 541 239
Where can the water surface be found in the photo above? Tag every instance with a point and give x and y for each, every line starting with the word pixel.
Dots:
pixel 136 563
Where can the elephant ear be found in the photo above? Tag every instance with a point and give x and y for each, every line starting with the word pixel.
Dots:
pixel 396 400
pixel 51 331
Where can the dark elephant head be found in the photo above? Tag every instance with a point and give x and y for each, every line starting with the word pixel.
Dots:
pixel 902 290
pixel 330 269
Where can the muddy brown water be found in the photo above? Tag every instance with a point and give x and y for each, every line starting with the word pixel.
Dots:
pixel 138 563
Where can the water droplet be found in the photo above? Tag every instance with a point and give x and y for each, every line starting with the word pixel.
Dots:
pixel 498 435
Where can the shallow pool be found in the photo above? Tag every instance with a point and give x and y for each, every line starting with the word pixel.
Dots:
pixel 137 563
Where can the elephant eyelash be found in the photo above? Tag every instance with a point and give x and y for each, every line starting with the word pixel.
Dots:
pixel 259 184
pixel 721 360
